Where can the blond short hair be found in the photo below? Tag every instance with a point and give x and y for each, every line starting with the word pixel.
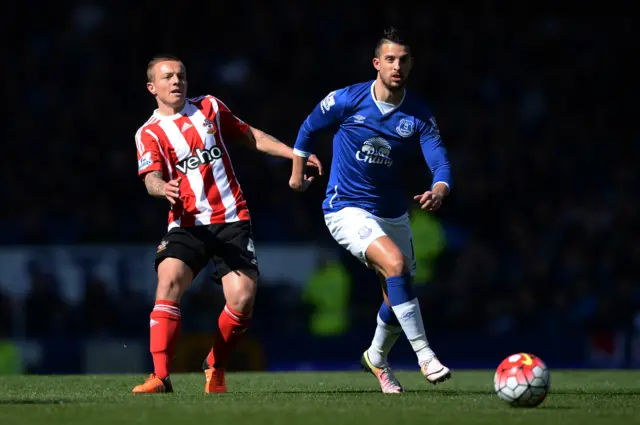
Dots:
pixel 155 60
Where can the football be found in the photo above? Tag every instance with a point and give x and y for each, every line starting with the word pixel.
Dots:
pixel 522 380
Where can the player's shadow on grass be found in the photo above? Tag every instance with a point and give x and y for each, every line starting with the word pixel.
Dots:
pixel 328 391
pixel 619 393
pixel 452 391
pixel 377 391
pixel 18 401
pixel 545 407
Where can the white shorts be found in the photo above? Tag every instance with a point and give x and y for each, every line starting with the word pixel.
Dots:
pixel 354 229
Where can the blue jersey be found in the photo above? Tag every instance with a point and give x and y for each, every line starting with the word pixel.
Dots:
pixel 371 147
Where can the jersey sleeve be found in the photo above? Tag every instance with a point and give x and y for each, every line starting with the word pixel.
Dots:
pixel 435 153
pixel 149 156
pixel 330 111
pixel 231 126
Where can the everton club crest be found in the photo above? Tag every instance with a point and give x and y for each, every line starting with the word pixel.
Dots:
pixel 405 128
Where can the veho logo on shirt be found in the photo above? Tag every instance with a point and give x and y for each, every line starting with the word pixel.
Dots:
pixel 199 157
pixel 375 151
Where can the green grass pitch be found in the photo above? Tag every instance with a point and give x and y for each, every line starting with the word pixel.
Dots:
pixel 327 398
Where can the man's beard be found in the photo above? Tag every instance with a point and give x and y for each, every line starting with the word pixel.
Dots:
pixel 395 88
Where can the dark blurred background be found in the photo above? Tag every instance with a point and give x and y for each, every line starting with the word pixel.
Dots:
pixel 535 250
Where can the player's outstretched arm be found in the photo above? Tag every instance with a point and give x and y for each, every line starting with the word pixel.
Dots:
pixel 263 142
pixel 270 145
pixel 158 188
pixel 299 180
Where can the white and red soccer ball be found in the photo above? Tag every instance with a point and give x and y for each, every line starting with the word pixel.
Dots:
pixel 522 380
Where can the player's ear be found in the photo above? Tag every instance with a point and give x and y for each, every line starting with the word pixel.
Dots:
pixel 152 88
pixel 376 63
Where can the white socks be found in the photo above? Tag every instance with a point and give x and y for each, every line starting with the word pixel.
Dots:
pixel 386 335
pixel 410 319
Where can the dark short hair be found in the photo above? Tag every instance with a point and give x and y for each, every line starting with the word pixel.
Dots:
pixel 155 60
pixel 391 35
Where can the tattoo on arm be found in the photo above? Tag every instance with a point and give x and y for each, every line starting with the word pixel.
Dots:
pixel 270 137
pixel 155 184
pixel 264 142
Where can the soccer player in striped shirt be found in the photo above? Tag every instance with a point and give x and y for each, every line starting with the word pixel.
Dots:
pixel 379 127
pixel 182 158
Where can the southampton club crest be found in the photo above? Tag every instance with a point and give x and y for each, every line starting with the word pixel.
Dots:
pixel 405 128
pixel 162 246
pixel 208 125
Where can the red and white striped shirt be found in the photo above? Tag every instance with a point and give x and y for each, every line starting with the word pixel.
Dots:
pixel 190 144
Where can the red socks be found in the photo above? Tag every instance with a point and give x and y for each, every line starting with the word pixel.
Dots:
pixel 231 328
pixel 164 333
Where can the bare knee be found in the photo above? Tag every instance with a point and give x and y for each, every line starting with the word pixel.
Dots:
pixel 240 290
pixel 169 288
pixel 174 277
pixel 383 254
pixel 392 266
pixel 242 301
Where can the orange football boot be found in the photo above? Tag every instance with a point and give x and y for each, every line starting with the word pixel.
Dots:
pixel 152 385
pixel 215 381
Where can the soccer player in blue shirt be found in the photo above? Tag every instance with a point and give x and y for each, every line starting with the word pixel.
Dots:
pixel 379 126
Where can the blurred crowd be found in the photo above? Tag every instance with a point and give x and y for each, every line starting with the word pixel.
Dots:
pixel 542 222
